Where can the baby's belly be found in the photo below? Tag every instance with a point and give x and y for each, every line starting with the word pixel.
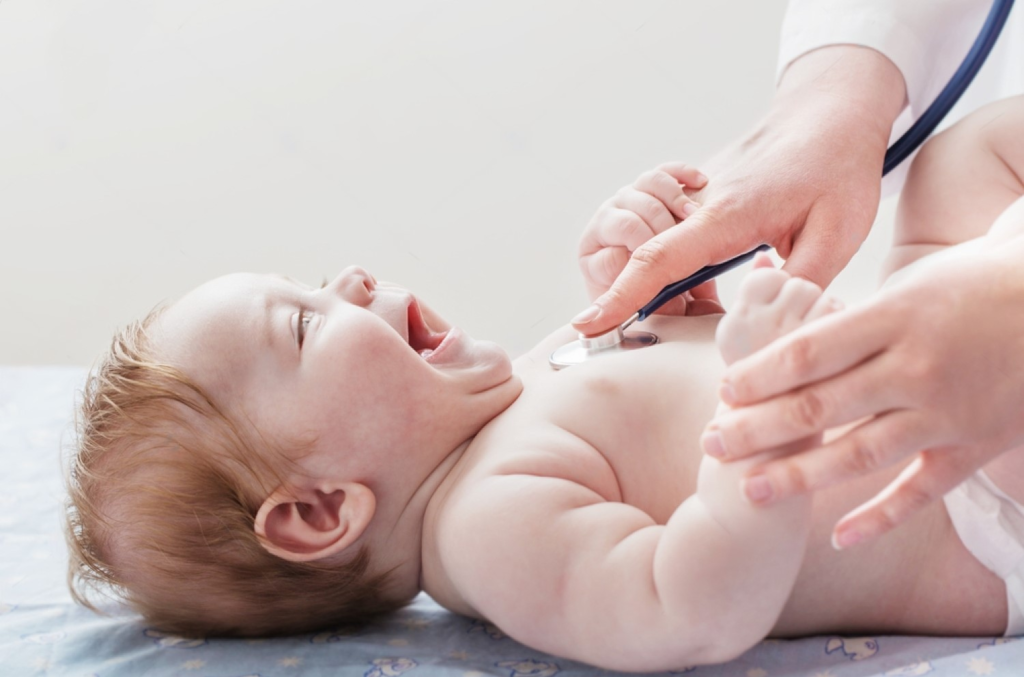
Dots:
pixel 917 579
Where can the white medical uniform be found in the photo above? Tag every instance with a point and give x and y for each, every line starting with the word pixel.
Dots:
pixel 926 39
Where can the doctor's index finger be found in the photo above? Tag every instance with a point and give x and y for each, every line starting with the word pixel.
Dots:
pixel 662 260
pixel 930 476
pixel 815 352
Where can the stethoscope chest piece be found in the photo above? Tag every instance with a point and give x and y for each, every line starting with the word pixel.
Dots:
pixel 589 347
pixel 617 340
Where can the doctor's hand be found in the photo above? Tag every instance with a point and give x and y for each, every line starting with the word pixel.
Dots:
pixel 930 367
pixel 655 202
pixel 805 181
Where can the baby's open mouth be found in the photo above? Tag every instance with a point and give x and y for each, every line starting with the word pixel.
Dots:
pixel 421 338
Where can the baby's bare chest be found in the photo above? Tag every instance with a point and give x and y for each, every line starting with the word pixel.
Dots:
pixel 627 427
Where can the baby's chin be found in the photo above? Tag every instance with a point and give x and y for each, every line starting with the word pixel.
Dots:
pixel 460 351
pixel 498 354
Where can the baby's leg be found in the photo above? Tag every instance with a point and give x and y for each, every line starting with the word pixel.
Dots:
pixel 961 181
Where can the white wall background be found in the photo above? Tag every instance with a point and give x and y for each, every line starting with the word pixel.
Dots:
pixel 456 147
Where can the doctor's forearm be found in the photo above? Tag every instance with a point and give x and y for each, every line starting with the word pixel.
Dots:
pixel 840 84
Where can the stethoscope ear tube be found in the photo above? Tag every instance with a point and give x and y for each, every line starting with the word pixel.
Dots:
pixel 899 151
pixel 951 93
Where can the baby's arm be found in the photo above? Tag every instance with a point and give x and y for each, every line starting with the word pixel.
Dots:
pixel 770 303
pixel 960 182
pixel 1009 225
pixel 566 570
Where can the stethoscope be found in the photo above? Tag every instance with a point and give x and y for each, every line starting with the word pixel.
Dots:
pixel 616 340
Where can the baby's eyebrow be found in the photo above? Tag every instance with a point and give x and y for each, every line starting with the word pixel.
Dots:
pixel 272 328
pixel 267 321
pixel 273 300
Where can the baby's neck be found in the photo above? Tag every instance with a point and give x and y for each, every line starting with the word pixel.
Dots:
pixel 398 544
pixel 429 497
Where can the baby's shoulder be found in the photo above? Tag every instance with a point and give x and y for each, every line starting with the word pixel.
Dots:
pixel 507 492
pixel 536 444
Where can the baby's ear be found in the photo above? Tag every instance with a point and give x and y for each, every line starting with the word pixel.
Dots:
pixel 301 525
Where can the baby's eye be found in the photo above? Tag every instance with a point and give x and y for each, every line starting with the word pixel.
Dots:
pixel 304 320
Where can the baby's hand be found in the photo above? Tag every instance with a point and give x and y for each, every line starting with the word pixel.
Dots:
pixel 655 202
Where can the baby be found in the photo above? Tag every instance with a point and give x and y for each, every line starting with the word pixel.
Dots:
pixel 263 457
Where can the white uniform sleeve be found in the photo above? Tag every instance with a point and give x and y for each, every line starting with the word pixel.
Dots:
pixel 926 39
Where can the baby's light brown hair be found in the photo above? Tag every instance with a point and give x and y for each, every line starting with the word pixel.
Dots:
pixel 163 488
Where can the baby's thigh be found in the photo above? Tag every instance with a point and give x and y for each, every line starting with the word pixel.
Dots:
pixel 961 181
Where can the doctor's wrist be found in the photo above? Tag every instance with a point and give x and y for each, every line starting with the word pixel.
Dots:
pixel 845 84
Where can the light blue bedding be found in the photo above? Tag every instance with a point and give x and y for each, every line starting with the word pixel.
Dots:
pixel 43 633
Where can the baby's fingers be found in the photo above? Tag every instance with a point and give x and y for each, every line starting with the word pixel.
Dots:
pixel 666 188
pixel 615 227
pixel 649 208
pixel 602 267
pixel 691 177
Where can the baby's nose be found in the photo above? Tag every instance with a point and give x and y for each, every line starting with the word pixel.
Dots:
pixel 354 284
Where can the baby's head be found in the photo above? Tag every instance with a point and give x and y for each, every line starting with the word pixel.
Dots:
pixel 257 457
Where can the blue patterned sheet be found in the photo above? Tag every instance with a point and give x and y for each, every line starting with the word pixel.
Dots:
pixel 43 633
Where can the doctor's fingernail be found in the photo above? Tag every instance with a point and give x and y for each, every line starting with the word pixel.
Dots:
pixel 690 208
pixel 587 315
pixel 713 444
pixel 758 489
pixel 845 539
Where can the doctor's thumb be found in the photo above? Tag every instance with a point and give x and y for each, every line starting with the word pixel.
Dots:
pixel 818 261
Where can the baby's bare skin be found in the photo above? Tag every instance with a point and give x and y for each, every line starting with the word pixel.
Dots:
pixel 624 430
pixel 641 415
pixel 574 508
